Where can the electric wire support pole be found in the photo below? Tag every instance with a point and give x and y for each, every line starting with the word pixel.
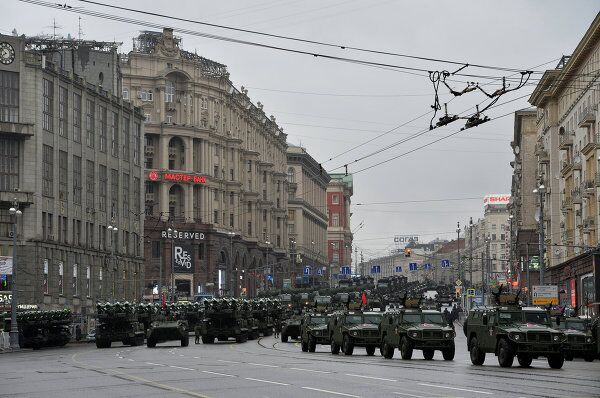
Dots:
pixel 14 329
pixel 471 251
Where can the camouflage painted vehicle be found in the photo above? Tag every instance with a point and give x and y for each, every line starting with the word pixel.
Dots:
pixel 166 327
pixel 349 329
pixel 508 330
pixel 411 329
pixel 118 322
pixel 39 329
pixel 313 331
pixel 322 303
pixel 580 342
pixel 262 313
pixel 290 328
pixel 225 319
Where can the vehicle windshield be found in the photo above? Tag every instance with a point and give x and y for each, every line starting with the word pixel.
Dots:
pixel 411 318
pixel 540 318
pixel 372 319
pixel 323 300
pixel 575 325
pixel 318 320
pixel 510 317
pixel 354 319
pixel 433 318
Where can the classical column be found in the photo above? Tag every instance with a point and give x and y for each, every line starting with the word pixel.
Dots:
pixel 189 203
pixel 163 152
pixel 163 200
pixel 189 154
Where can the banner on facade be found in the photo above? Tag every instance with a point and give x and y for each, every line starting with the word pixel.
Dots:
pixel 6 265
pixel 544 295
pixel 183 259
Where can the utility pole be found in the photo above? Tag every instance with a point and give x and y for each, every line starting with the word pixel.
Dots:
pixel 482 279
pixel 458 249
pixel 541 190
pixel 471 251
pixel 488 262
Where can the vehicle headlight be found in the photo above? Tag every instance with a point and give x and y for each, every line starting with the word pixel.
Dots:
pixel 588 340
pixel 354 333
pixel 447 335
pixel 414 334
pixel 556 337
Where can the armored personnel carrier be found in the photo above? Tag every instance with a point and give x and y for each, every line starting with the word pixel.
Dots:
pixel 39 329
pixel 224 318
pixel 118 322
pixel 509 330
pixel 167 327
pixel 580 342
pixel 313 331
pixel 349 329
pixel 290 328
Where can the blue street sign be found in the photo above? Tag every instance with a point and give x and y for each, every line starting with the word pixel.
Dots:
pixel 319 271
pixel 412 266
pixel 270 278
pixel 345 270
pixel 307 270
pixel 398 268
pixel 477 300
pixel 427 266
pixel 376 269
pixel 3 277
pixel 445 263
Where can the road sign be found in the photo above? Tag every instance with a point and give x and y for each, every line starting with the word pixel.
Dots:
pixel 470 292
pixel 445 263
pixel 319 271
pixel 458 282
pixel 477 300
pixel 412 266
pixel 345 270
pixel 376 269
pixel 307 270
pixel 544 295
pixel 427 266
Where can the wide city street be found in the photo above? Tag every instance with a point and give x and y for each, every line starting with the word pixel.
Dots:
pixel 269 368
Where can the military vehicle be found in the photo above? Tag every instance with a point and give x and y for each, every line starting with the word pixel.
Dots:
pixel 410 329
pixel 262 312
pixel 191 312
pixel 322 303
pixel 39 329
pixel 118 322
pixel 290 328
pixel 167 326
pixel 349 329
pixel 225 318
pixel 313 331
pixel 509 330
pixel 580 342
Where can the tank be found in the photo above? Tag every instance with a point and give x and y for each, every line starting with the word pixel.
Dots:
pixel 118 322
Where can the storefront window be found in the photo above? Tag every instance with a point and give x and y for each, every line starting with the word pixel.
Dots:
pixel 588 295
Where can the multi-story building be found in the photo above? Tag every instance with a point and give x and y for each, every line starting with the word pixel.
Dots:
pixel 567 129
pixel 522 207
pixel 339 233
pixel 307 219
pixel 215 174
pixel 71 163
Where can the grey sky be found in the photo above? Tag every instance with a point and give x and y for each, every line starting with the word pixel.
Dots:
pixel 508 33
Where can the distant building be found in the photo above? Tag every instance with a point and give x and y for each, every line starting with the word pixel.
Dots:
pixel 339 233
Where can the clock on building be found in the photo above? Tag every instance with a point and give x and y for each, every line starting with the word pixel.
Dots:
pixel 7 53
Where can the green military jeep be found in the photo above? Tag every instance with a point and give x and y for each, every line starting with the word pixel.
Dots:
pixel 313 331
pixel 511 330
pixel 580 343
pixel 410 329
pixel 290 328
pixel 349 329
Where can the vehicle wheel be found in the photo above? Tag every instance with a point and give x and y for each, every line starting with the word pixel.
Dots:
pixel 428 354
pixel 140 340
pixel 406 348
pixel 589 357
pixel 556 361
pixel 312 344
pixel 304 346
pixel 335 349
pixel 256 335
pixel 239 338
pixel 370 350
pixel 244 337
pixel 208 339
pixel 506 354
pixel 524 360
pixel 448 352
pixel 477 355
pixel 284 338
pixel 185 340
pixel 347 345
pixel 387 351
pixel 150 343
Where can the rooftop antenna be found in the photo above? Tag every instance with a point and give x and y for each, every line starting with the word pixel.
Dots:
pixel 54 27
pixel 80 30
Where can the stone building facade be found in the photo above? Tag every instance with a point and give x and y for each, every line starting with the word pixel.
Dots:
pixel 215 171
pixel 307 218
pixel 71 162
pixel 339 233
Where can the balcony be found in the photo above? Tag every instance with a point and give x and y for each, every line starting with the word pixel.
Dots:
pixel 19 130
pixel 576 194
pixel 541 153
pixel 567 203
pixel 565 167
pixel 589 224
pixel 588 187
pixel 590 143
pixel 577 164
pixel 587 117
pixel 565 140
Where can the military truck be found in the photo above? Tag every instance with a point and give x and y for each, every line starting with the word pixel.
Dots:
pixel 313 331
pixel 410 329
pixel 168 327
pixel 224 318
pixel 118 322
pixel 262 313
pixel 349 329
pixel 508 330
pixel 580 342
pixel 39 329
pixel 290 328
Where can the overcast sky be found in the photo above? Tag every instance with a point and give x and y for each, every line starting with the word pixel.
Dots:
pixel 330 106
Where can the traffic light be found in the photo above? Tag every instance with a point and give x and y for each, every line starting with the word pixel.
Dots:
pixel 407 251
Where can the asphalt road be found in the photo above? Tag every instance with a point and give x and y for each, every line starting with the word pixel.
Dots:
pixel 269 368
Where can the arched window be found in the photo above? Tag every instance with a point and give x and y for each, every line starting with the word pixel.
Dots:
pixel 291 175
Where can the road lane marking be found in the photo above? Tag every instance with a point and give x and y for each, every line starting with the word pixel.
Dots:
pixel 311 370
pixel 130 360
pixel 370 377
pixel 218 374
pixel 408 395
pixel 262 364
pixel 331 392
pixel 267 381
pixel 180 367
pixel 155 364
pixel 456 388
pixel 223 360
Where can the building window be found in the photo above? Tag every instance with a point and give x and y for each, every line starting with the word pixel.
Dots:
pixel 231 220
pixel 216 217
pixel 231 198
pixel 156 248
pixel 125 186
pixel 216 171
pixel 291 175
pixel 76 180
pixel 63 175
pixel 291 215
pixel 45 282
pixel 9 165
pixel 146 95
pixel 9 97
pixel 76 117
pixel 103 128
pixel 61 287
pixel 126 145
pixel 88 282
pixel 89 184
pixel 265 176
pixel 114 192
pixel 169 91
pixel 48 105
pixel 114 134
pixel 249 164
pixel 75 289
pixel 137 129
pixel 264 195
pixel 63 106
pixel 102 187
pixel 201 251
pixel 90 117
pixel 335 200
pixel 136 196
pixel 48 171
pixel 125 93
pixel 249 228
pixel 335 220
pixel 231 176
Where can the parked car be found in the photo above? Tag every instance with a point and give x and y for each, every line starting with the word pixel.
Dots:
pixel 91 336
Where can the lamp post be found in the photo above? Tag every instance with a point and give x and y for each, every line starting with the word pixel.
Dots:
pixel 484 267
pixel 172 232
pixel 312 243
pixel 14 329
pixel 510 243
pixel 471 251
pixel 112 231
pixel 458 249
pixel 293 261
pixel 268 243
pixel 541 190
pixel 231 234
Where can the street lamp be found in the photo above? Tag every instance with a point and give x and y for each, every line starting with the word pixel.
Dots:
pixel 541 190
pixel 112 231
pixel 172 232
pixel 231 234
pixel 471 251
pixel 14 329
pixel 510 247
pixel 458 249
pixel 485 266
pixel 268 243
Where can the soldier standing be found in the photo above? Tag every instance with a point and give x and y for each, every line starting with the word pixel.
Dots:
pixel 197 334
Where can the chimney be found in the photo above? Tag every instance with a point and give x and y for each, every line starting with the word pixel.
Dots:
pixel 168 33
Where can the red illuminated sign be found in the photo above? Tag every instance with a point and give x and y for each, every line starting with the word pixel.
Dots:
pixel 176 177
